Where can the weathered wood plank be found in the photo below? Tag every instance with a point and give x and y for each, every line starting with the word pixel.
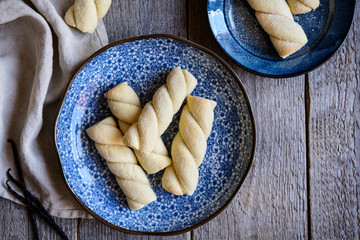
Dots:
pixel 69 226
pixel 129 18
pixel 15 224
pixel 125 19
pixel 272 203
pixel 334 118
pixel 14 221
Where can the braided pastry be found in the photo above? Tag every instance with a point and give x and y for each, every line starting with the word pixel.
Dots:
pixel 125 105
pixel 157 114
pixel 85 14
pixel 189 146
pixel 122 162
pixel 275 18
pixel 302 6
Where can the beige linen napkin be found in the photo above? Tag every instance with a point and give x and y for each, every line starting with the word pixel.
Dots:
pixel 38 55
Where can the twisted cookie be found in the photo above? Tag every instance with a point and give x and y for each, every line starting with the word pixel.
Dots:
pixel 85 14
pixel 276 19
pixel 189 146
pixel 125 105
pixel 122 162
pixel 302 6
pixel 157 114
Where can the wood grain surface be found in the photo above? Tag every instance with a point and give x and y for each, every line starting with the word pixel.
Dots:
pixel 14 221
pixel 305 179
pixel 334 143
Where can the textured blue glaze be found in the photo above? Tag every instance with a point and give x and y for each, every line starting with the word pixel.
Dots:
pixel 235 27
pixel 144 64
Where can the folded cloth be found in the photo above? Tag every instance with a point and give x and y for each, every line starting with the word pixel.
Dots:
pixel 39 53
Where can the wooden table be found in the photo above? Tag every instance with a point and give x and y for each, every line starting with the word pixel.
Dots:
pixel 305 180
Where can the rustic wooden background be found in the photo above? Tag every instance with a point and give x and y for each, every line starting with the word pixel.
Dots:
pixel 305 181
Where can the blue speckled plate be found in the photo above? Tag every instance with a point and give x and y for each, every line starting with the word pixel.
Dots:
pixel 236 29
pixel 144 63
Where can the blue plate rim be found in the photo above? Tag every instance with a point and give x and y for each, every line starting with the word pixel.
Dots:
pixel 285 75
pixel 192 44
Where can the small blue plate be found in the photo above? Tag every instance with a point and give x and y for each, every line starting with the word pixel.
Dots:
pixel 144 62
pixel 236 29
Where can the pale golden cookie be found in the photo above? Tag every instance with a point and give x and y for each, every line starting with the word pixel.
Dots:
pixel 125 105
pixel 122 163
pixel 189 146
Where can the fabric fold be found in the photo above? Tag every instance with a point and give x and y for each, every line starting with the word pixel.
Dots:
pixel 39 53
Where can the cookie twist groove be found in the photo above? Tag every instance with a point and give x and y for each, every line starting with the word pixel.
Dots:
pixel 122 163
pixel 275 18
pixel 125 105
pixel 302 6
pixel 158 113
pixel 189 146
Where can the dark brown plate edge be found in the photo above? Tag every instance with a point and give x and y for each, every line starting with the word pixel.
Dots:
pixel 192 44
